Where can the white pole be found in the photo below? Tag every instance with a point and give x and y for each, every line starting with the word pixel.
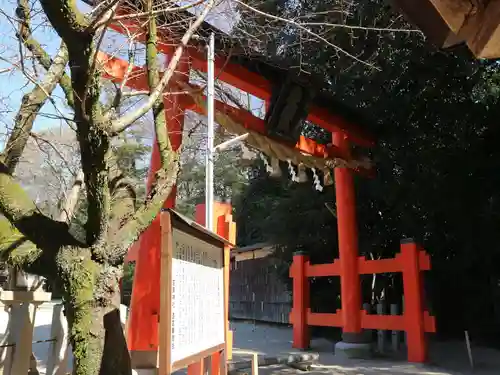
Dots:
pixel 469 350
pixel 209 180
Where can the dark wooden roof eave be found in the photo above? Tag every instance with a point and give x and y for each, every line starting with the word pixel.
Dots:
pixel 451 22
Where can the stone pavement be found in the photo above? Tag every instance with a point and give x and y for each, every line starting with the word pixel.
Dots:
pixel 447 358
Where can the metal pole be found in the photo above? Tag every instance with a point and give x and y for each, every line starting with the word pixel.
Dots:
pixel 209 180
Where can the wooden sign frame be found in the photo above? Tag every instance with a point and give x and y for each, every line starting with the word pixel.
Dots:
pixel 171 220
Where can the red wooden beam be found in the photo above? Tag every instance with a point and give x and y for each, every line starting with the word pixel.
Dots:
pixel 324 319
pixel 301 301
pixel 345 195
pixel 429 322
pixel 333 123
pixel 323 270
pixel 385 322
pixel 256 124
pixel 130 27
pixel 368 321
pixel 235 75
pixel 230 73
pixel 254 84
pixel 366 267
pixel 115 69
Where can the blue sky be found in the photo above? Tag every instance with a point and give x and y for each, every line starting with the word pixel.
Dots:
pixel 14 84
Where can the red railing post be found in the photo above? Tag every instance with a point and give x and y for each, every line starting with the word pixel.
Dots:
pixel 301 301
pixel 413 309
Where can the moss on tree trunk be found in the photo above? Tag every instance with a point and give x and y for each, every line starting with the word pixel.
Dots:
pixel 92 303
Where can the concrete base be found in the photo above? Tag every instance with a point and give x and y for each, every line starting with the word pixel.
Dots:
pixel 348 350
pixel 144 359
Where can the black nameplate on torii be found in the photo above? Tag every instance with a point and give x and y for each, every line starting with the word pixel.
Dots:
pixel 288 109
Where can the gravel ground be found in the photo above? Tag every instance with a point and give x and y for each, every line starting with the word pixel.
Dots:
pixel 447 358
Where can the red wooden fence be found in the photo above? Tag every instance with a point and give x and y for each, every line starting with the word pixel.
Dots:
pixel 415 320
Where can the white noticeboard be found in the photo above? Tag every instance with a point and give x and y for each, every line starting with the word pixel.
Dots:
pixel 197 296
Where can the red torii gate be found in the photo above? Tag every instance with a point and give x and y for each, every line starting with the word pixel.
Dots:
pixel 143 325
pixel 142 334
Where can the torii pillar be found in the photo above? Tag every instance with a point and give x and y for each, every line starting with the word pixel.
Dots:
pixel 353 343
pixel 142 332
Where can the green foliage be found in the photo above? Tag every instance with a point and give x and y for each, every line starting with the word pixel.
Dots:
pixel 435 116
pixel 128 276
pixel 128 154
pixel 230 178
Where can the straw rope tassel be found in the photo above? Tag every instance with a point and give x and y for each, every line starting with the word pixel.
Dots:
pixel 291 169
pixel 269 147
pixel 269 168
pixel 316 181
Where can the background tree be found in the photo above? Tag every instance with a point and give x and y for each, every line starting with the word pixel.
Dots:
pixel 229 167
pixel 434 114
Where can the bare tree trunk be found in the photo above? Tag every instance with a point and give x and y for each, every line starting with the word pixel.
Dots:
pixel 116 357
pixel 92 295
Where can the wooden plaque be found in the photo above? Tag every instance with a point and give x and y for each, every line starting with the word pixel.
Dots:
pixel 192 308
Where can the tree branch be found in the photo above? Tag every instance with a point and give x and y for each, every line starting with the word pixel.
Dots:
pixel 67 20
pixel 109 12
pixel 160 11
pixel 144 216
pixel 119 90
pixel 16 249
pixel 20 253
pixel 95 153
pixel 103 15
pixel 33 101
pixel 124 122
pixel 94 143
pixel 123 196
pixel 30 106
pixel 166 177
pixel 159 118
pixel 306 30
pixel 43 58
pixel 71 200
pixel 22 213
